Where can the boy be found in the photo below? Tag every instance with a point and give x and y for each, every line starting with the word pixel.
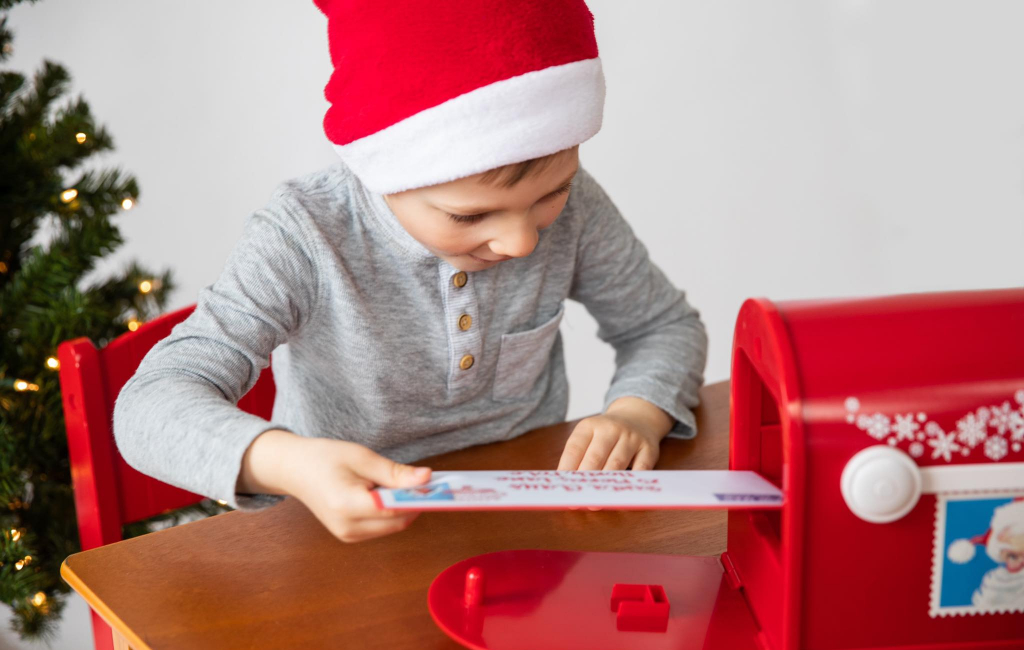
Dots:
pixel 411 295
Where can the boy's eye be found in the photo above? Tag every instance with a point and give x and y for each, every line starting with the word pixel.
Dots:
pixel 473 218
pixel 466 218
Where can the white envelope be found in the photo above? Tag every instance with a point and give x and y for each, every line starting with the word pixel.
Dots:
pixel 616 490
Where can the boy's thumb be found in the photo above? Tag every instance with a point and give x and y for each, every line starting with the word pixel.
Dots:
pixel 387 473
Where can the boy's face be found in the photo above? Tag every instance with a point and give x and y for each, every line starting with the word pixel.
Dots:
pixel 491 223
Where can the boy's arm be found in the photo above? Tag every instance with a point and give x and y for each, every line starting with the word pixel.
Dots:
pixel 660 342
pixel 176 419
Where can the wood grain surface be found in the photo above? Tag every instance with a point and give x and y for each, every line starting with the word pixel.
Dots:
pixel 278 579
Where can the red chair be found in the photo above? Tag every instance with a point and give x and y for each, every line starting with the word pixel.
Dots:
pixel 109 493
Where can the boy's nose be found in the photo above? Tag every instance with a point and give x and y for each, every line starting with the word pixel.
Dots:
pixel 515 242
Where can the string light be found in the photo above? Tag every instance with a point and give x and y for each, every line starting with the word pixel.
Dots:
pixel 15 535
pixel 52 363
pixel 39 599
pixel 21 385
pixel 19 565
pixel 133 325
pixel 223 503
pixel 3 268
pixel 127 204
pixel 145 286
pixel 69 195
pixel 80 137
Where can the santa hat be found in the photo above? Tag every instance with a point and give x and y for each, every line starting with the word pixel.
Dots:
pixel 428 91
pixel 1007 517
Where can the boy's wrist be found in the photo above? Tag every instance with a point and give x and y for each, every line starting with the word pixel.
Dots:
pixel 267 466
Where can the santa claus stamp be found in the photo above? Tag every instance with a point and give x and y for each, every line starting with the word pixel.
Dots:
pixel 978 557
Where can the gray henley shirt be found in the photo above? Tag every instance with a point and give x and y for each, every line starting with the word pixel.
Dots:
pixel 364 326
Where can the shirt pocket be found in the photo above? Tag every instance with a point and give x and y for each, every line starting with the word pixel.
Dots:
pixel 523 357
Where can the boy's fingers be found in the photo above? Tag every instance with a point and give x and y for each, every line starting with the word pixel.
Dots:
pixel 390 514
pixel 388 473
pixel 365 529
pixel 597 452
pixel 621 454
pixel 646 458
pixel 575 447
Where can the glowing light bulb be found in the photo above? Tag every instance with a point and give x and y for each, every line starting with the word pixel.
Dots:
pixel 39 599
pixel 15 535
pixel 52 363
pixel 20 385
pixel 127 204
pixel 80 137
pixel 133 325
pixel 19 565
pixel 68 196
pixel 145 286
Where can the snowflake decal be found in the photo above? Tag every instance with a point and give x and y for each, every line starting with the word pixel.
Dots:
pixel 877 425
pixel 933 429
pixel 1017 425
pixel 995 448
pixel 944 446
pixel 995 431
pixel 905 427
pixel 1000 417
pixel 972 429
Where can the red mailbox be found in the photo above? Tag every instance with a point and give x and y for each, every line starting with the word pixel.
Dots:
pixel 894 427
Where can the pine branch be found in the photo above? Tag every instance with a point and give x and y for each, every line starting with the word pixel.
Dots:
pixel 10 84
pixel 49 83
pixel 7 4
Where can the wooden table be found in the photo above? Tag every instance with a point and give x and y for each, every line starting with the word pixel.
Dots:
pixel 278 579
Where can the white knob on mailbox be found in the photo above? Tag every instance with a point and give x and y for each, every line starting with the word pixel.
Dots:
pixel 881 484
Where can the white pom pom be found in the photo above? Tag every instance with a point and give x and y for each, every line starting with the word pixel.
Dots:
pixel 961 551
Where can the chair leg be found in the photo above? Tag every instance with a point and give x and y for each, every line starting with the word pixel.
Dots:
pixel 120 643
pixel 102 635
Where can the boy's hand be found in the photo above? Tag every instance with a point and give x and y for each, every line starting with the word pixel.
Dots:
pixel 333 479
pixel 630 431
pixel 336 485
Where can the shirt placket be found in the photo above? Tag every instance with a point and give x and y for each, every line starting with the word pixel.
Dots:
pixel 461 323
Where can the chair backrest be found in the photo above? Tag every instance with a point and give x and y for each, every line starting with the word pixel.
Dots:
pixel 108 492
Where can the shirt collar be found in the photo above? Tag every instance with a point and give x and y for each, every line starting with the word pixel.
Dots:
pixel 390 225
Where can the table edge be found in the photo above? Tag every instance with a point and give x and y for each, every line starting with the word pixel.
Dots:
pixel 100 607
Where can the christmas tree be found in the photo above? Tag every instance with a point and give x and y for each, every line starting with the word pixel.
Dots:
pixel 44 299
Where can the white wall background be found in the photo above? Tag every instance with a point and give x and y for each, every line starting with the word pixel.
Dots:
pixel 786 149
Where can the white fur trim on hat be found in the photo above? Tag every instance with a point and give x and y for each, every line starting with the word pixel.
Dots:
pixel 512 120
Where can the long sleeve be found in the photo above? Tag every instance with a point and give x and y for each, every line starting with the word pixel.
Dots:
pixel 660 342
pixel 176 419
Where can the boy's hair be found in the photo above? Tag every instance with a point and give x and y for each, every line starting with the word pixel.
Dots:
pixel 509 175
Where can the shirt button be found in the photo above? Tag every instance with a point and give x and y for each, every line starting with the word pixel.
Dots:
pixel 467 362
pixel 465 322
pixel 459 279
